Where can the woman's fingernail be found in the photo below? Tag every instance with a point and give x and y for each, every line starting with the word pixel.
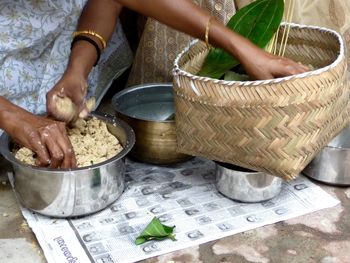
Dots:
pixel 83 114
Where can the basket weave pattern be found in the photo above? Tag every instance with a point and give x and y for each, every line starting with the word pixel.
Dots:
pixel 276 126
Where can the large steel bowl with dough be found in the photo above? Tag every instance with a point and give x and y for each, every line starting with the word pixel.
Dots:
pixel 71 192
pixel 149 110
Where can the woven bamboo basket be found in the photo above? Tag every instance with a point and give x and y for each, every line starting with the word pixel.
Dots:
pixel 276 126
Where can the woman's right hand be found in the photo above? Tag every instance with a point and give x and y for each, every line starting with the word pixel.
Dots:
pixel 66 100
pixel 45 137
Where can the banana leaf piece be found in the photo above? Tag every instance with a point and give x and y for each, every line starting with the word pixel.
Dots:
pixel 155 230
pixel 258 22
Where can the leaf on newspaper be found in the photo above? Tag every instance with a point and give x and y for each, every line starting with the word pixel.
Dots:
pixel 155 231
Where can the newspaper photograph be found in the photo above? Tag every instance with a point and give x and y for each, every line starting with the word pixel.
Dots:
pixel 184 196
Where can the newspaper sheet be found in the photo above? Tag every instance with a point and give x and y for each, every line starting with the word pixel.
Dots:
pixel 182 195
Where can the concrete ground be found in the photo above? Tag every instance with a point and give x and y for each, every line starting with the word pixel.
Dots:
pixel 323 236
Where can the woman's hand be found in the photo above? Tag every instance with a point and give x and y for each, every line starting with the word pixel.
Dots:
pixel 262 65
pixel 48 139
pixel 45 137
pixel 258 63
pixel 187 17
pixel 66 100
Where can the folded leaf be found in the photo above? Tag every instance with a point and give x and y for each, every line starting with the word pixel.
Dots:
pixel 155 230
pixel 258 22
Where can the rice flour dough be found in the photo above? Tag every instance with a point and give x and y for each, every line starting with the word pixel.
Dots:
pixel 91 140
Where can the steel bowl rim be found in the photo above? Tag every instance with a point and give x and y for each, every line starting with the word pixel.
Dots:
pixel 225 167
pixel 329 147
pixel 5 151
pixel 136 88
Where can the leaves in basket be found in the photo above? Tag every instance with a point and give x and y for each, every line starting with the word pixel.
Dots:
pixel 258 22
pixel 155 230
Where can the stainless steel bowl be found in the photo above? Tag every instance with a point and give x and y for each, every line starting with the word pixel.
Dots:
pixel 149 110
pixel 332 164
pixel 72 192
pixel 245 185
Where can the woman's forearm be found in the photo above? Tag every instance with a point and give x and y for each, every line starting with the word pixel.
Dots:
pixel 187 17
pixel 99 16
pixel 9 113
pixel 6 108
pixel 44 136
pixel 183 15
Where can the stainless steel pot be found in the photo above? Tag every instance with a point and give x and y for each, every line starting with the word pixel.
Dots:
pixel 245 185
pixel 72 192
pixel 332 164
pixel 149 110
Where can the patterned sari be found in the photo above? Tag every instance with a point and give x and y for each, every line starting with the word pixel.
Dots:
pixel 160 45
pixel 35 38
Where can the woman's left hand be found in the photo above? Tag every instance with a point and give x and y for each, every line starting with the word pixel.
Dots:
pixel 262 65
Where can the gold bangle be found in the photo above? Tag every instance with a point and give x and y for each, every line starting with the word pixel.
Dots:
pixel 207 28
pixel 92 33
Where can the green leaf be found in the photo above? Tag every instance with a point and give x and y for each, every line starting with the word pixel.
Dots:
pixel 155 230
pixel 258 22
pixel 171 117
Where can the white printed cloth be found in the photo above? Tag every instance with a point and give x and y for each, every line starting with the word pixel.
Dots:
pixel 35 38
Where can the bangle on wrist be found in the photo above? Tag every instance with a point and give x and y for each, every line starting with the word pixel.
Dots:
pixel 206 34
pixel 92 33
pixel 91 41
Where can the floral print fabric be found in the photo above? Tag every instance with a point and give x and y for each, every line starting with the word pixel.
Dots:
pixel 35 38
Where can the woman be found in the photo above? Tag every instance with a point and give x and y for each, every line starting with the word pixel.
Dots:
pixel 35 39
pixel 46 137
pixel 100 16
pixel 159 44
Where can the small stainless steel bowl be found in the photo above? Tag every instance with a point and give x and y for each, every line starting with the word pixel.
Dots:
pixel 332 164
pixel 245 185
pixel 149 110
pixel 72 192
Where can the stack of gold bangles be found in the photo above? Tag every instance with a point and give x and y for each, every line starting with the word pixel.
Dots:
pixel 83 35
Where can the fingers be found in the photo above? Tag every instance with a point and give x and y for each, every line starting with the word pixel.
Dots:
pixel 69 160
pixel 268 66
pixel 43 157
pixel 296 68
pixel 55 151
pixel 53 147
pixel 84 113
pixel 303 67
pixel 286 67
pixel 63 108
pixel 88 106
pixel 66 98
pixel 60 148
